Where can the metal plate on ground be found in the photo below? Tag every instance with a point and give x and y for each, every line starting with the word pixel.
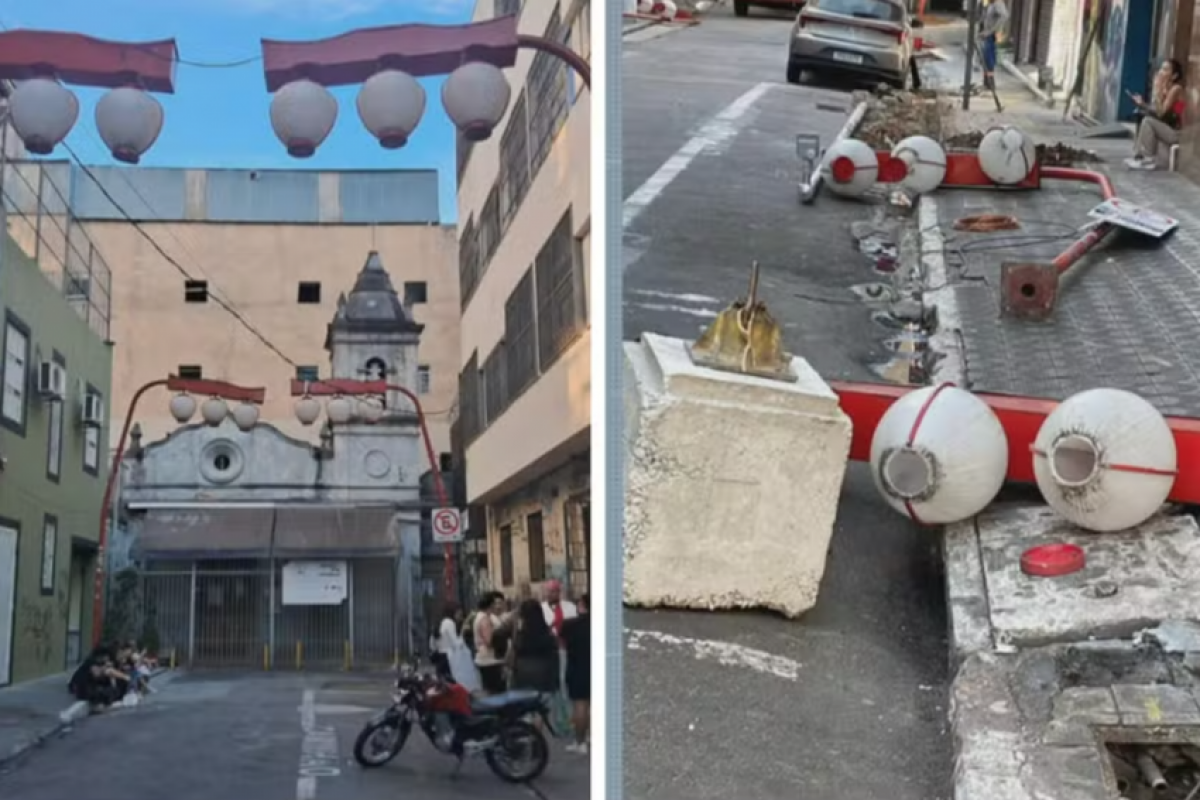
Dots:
pixel 1133 217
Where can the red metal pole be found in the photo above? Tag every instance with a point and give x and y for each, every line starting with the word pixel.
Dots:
pixel 113 472
pixel 1022 418
pixel 1076 251
pixel 575 61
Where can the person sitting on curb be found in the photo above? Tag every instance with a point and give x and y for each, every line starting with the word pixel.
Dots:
pixel 1162 117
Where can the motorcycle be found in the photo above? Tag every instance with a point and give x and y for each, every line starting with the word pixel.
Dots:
pixel 458 724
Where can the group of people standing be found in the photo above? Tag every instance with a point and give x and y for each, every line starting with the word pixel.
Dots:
pixel 544 646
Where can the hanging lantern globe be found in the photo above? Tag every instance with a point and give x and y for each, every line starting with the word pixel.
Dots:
pixel 1105 459
pixel 183 406
pixel 129 121
pixel 939 455
pixel 340 410
pixel 214 411
pixel 302 115
pixel 42 112
pixel 475 97
pixel 1007 155
pixel 245 416
pixel 925 163
pixel 390 105
pixel 308 409
pixel 851 167
pixel 370 409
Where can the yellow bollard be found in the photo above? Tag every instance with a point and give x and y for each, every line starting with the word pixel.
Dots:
pixel 266 658
pixel 348 659
pixel 299 656
pixel 173 661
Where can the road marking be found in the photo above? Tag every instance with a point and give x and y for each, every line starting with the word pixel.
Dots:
pixel 318 750
pixel 714 133
pixel 696 305
pixel 730 655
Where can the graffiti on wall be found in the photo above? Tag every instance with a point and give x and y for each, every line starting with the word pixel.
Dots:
pixel 1102 86
pixel 37 629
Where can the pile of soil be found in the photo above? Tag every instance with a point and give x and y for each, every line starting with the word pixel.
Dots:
pixel 894 115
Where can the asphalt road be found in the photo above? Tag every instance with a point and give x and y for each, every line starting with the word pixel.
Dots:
pixel 849 702
pixel 207 736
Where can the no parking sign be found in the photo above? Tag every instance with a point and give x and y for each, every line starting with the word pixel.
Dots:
pixel 447 525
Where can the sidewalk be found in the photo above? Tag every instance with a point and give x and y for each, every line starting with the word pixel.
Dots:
pixel 35 711
pixel 1127 313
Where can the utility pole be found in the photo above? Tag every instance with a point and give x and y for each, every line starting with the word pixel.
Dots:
pixel 972 27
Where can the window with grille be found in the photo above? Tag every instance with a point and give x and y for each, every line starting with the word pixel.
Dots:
pixel 546 88
pixel 468 401
pixel 424 381
pixel 468 262
pixel 508 8
pixel 520 335
pixel 495 383
pixel 559 293
pixel 14 406
pixel 537 547
pixel 489 228
pixel 514 161
pixel 506 556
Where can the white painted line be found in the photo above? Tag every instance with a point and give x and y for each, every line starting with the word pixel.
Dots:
pixel 703 313
pixel 701 299
pixel 947 340
pixel 716 132
pixel 318 750
pixel 730 655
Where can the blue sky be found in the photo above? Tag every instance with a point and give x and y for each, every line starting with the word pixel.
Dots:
pixel 219 117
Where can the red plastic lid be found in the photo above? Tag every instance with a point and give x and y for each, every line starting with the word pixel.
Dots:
pixel 1052 560
pixel 842 169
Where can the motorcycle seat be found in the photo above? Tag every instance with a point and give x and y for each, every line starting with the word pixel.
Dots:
pixel 499 701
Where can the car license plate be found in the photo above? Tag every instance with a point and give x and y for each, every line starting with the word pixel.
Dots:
pixel 848 58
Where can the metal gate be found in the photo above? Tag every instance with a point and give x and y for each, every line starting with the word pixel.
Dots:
pixel 231 614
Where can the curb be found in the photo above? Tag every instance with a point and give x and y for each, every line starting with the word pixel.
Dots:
pixel 1029 83
pixel 70 715
pixel 808 192
pixel 640 25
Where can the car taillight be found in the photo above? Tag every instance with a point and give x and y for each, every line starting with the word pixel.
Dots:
pixel 901 35
pixel 804 20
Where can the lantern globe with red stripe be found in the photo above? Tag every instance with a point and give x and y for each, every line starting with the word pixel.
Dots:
pixel 1105 459
pixel 939 455
pixel 925 161
pixel 1007 155
pixel 851 167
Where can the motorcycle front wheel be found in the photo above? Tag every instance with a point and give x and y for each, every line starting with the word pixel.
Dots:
pixel 521 753
pixel 378 744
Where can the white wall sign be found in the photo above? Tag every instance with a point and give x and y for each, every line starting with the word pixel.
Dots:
pixel 315 583
pixel 447 525
pixel 1135 218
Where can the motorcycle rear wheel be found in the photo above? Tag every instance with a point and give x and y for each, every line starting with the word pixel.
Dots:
pixel 513 735
pixel 367 756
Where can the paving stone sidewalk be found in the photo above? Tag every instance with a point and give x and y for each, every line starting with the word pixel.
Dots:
pixel 1127 314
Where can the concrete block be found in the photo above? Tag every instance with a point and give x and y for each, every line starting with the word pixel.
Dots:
pixel 966 592
pixel 1066 773
pixel 1156 705
pixel 1152 566
pixel 732 482
pixel 1076 711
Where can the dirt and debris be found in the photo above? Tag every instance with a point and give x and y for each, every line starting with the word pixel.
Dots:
pixel 1049 155
pixel 1164 772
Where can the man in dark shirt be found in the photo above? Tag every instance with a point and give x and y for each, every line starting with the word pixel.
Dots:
pixel 577 641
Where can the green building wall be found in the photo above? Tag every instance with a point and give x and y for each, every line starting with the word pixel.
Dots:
pixel 28 494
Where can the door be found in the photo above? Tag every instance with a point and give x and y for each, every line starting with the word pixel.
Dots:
pixel 8 600
pixel 75 594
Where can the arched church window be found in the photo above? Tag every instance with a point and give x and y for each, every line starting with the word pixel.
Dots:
pixel 376 369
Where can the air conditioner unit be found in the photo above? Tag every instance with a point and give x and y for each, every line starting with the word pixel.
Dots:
pixel 93 411
pixel 51 380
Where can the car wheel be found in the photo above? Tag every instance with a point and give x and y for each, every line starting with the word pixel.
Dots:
pixel 741 8
pixel 794 74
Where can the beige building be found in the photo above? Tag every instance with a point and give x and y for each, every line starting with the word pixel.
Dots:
pixel 525 390
pixel 279 246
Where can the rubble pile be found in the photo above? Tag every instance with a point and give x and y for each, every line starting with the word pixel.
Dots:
pixel 894 115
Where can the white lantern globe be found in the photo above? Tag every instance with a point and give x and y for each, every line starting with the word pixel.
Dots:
pixel 939 455
pixel 308 409
pixel 245 416
pixel 302 115
pixel 340 410
pixel 926 163
pixel 370 410
pixel 183 406
pixel 851 168
pixel 129 121
pixel 213 411
pixel 475 97
pixel 42 112
pixel 1007 155
pixel 390 105
pixel 1105 459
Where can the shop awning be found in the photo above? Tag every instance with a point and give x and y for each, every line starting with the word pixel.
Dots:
pixel 204 533
pixel 326 531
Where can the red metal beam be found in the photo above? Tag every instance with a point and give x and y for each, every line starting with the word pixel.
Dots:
pixel 419 50
pixel 962 172
pixel 87 61
pixel 332 386
pixel 1022 418
pixel 223 389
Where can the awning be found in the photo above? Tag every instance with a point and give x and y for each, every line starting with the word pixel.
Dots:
pixel 216 533
pixel 345 531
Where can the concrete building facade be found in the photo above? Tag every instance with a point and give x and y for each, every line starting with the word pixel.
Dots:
pixel 275 245
pixel 56 389
pixel 525 385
